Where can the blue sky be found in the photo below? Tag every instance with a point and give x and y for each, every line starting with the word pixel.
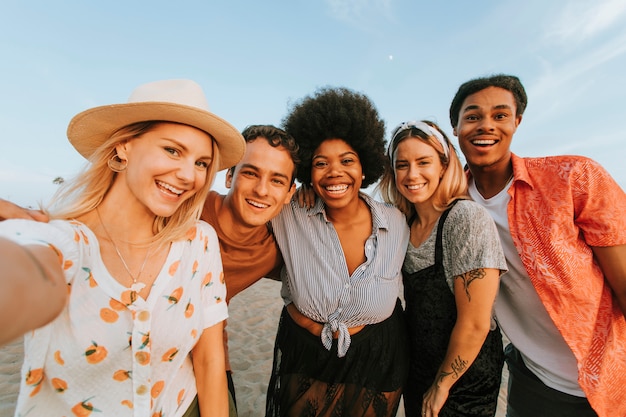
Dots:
pixel 255 57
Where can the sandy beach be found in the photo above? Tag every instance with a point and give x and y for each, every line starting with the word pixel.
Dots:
pixel 252 326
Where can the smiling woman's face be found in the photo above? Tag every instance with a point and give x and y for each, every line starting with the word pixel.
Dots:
pixel 418 170
pixel 166 166
pixel 336 173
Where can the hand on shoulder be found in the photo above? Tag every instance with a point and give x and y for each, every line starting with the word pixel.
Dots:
pixel 9 210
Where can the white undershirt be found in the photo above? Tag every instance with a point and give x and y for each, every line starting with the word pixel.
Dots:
pixel 521 314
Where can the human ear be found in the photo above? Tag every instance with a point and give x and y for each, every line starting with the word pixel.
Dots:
pixel 229 178
pixel 121 149
pixel 290 194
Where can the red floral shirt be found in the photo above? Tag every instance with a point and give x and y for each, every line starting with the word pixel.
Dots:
pixel 561 206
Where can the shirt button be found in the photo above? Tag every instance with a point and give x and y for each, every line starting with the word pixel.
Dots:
pixel 346 286
pixel 340 309
pixel 142 389
pixel 144 315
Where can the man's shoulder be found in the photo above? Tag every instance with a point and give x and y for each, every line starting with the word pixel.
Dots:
pixel 558 161
pixel 212 197
pixel 211 203
pixel 555 167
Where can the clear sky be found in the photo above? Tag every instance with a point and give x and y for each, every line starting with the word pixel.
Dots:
pixel 255 57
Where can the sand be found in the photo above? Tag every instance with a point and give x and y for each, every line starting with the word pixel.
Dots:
pixel 252 327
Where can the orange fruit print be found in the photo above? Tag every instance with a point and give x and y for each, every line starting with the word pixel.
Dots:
pixel 34 376
pixel 189 309
pixel 83 409
pixel 95 354
pixel 169 355
pixel 174 297
pixel 121 375
pixel 58 384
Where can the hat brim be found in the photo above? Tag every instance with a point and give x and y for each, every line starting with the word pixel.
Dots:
pixel 91 128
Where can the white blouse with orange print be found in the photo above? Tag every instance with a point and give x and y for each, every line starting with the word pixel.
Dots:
pixel 110 351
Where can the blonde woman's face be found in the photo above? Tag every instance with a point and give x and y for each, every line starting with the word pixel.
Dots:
pixel 166 166
pixel 418 170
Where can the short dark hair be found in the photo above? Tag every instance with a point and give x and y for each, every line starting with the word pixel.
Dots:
pixel 275 137
pixel 343 114
pixel 507 82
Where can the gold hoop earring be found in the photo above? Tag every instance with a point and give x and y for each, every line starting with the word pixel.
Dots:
pixel 116 164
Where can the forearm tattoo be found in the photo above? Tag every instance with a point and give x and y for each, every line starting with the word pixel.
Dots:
pixel 469 277
pixel 458 365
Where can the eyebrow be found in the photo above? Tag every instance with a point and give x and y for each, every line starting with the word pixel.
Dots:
pixel 185 149
pixel 274 173
pixel 421 158
pixel 341 155
pixel 498 107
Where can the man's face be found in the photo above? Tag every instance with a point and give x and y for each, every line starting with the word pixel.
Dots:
pixel 261 183
pixel 487 122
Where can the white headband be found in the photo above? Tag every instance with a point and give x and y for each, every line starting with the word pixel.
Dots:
pixel 424 127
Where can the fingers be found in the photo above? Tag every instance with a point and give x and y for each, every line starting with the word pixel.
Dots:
pixel 8 210
pixel 37 215
pixel 301 196
pixel 305 196
pixel 434 400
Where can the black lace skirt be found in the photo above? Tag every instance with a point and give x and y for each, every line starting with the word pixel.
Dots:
pixel 310 381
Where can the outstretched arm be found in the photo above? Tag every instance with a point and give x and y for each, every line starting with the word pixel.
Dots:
pixel 32 288
pixel 612 261
pixel 474 292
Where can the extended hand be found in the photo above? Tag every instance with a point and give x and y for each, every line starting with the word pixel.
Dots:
pixel 9 210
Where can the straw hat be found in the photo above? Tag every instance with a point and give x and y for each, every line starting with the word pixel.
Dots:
pixel 179 101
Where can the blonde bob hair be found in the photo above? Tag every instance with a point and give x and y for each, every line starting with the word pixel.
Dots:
pixel 453 184
pixel 86 191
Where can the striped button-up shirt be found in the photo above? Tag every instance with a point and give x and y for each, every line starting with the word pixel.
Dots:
pixel 316 279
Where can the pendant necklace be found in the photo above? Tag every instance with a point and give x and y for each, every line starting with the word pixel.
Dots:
pixel 136 286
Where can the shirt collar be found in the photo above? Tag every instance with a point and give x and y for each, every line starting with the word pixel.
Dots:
pixel 520 171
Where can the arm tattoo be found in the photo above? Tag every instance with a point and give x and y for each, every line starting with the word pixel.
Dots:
pixel 458 365
pixel 441 376
pixel 469 277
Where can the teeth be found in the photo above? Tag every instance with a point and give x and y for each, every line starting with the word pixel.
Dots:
pixel 170 188
pixel 483 142
pixel 257 204
pixel 336 188
pixel 415 187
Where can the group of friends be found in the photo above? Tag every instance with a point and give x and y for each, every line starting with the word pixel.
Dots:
pixel 120 287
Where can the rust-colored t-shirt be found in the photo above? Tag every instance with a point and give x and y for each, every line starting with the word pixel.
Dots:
pixel 245 261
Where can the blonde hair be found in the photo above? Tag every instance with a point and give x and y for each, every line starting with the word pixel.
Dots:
pixel 453 184
pixel 86 191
